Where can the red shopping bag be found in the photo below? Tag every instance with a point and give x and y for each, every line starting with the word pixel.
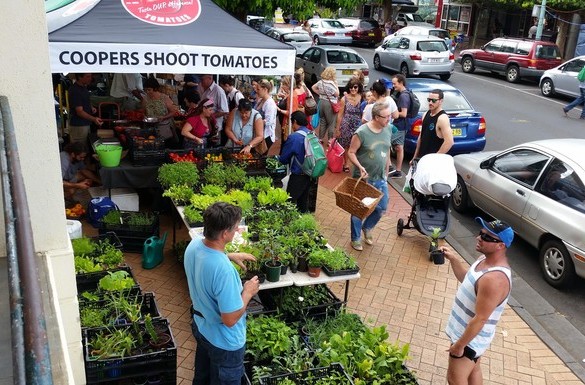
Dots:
pixel 335 156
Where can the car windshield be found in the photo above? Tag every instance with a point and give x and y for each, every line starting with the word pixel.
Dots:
pixel 296 37
pixel 369 24
pixel 431 46
pixel 334 57
pixel 547 52
pixel 454 101
pixel 333 23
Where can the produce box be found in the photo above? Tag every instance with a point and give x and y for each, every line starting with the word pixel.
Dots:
pixel 142 361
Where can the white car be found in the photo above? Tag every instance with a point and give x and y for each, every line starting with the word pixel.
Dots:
pixel 329 31
pixel 345 61
pixel 298 39
pixel 563 78
pixel 536 187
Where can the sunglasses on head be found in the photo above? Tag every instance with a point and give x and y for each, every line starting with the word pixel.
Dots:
pixel 209 106
pixel 488 238
pixel 434 100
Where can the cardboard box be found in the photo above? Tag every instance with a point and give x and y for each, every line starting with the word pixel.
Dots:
pixel 125 198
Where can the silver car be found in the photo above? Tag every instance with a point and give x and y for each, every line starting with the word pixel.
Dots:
pixel 345 61
pixel 298 39
pixel 536 187
pixel 415 55
pixel 329 31
pixel 562 79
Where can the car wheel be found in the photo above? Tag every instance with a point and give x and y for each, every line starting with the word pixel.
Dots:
pixel 556 264
pixel 316 40
pixel 513 74
pixel 404 69
pixel 547 88
pixel 460 196
pixel 400 226
pixel 445 77
pixel 467 65
pixel 377 64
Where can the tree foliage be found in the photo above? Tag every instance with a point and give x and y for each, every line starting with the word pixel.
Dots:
pixel 560 5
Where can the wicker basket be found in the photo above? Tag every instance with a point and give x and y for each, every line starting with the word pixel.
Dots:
pixel 349 194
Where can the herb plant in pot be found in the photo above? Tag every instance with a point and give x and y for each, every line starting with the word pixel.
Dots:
pixel 315 260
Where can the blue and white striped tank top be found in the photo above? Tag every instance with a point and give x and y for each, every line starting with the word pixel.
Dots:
pixel 464 309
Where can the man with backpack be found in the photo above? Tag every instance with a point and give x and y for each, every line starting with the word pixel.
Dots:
pixel 402 123
pixel 293 154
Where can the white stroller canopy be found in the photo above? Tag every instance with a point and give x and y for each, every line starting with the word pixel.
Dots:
pixel 432 169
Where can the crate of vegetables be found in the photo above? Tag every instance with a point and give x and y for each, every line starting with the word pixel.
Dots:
pixel 187 155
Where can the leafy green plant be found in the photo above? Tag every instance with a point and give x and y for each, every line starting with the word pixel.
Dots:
pixel 140 218
pixel 304 223
pixel 342 321
pixel 180 194
pixel 86 265
pixel 116 281
pixel 180 173
pixel 295 300
pixel 113 217
pixel 212 190
pixel 268 337
pixel 202 202
pixel 275 196
pixel 82 246
pixel 112 343
pixel 338 259
pixel 92 317
pixel 109 256
pixel 435 237
pixel 257 184
pixel 243 199
pixel 235 175
pixel 318 257
pixel 193 214
pixel 215 173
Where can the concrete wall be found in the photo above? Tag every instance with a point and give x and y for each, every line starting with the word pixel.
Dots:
pixel 26 80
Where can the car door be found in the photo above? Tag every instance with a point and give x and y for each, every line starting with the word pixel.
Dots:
pixel 484 57
pixel 503 188
pixel 566 82
pixel 502 55
pixel 304 61
pixel 390 49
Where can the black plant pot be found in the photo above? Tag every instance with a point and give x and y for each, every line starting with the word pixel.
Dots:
pixel 293 267
pixel 302 265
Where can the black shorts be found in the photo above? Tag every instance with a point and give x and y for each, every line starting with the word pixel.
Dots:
pixel 468 353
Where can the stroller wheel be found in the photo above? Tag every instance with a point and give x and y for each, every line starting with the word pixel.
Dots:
pixel 399 226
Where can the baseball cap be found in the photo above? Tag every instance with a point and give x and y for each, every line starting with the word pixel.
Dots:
pixel 500 229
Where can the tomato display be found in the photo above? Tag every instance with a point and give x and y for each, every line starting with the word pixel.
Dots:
pixel 188 157
pixel 76 211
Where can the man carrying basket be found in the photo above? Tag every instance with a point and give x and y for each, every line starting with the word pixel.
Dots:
pixel 369 151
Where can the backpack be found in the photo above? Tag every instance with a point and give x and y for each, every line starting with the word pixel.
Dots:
pixel 581 76
pixel 315 162
pixel 414 107
pixel 97 208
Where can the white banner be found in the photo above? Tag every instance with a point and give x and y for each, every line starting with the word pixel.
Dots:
pixel 133 58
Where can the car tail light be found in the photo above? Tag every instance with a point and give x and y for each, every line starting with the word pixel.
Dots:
pixel 365 71
pixel 451 56
pixel 329 33
pixel 416 127
pixel 482 126
pixel 348 34
pixel 416 56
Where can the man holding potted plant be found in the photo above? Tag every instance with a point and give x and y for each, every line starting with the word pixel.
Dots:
pixel 219 299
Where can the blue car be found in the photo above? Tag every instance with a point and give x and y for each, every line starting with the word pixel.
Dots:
pixel 467 124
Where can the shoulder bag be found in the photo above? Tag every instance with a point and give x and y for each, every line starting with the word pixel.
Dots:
pixel 310 103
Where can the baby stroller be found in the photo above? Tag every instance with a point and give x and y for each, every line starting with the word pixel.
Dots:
pixel 433 179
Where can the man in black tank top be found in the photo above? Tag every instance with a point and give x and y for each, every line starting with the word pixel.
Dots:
pixel 435 135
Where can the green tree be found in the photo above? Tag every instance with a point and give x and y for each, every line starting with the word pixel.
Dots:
pixel 561 5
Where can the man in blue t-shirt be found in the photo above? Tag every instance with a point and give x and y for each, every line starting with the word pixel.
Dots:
pixel 293 154
pixel 219 299
pixel 402 122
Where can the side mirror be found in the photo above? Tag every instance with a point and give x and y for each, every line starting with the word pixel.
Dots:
pixel 487 163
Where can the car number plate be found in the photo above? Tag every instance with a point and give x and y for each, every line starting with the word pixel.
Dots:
pixel 434 60
pixel 347 72
pixel 371 34
pixel 457 131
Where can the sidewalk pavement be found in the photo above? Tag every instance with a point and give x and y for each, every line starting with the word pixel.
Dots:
pixel 398 287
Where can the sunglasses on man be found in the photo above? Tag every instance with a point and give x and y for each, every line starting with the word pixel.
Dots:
pixel 433 100
pixel 488 238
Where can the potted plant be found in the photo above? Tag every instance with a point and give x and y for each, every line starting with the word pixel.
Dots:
pixel 158 337
pixel 339 262
pixel 315 260
pixel 180 173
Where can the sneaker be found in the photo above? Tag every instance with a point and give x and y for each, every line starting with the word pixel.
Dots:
pixel 368 237
pixel 357 245
pixel 395 174
pixel 391 169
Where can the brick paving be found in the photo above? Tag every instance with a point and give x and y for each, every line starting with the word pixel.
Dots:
pixel 398 287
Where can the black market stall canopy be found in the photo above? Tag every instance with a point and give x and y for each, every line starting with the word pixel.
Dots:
pixel 178 36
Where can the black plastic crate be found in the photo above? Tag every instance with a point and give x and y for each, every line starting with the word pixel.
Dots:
pixel 271 298
pixel 109 236
pixel 133 237
pixel 147 363
pixel 148 305
pixel 308 376
pixel 89 281
pixel 148 157
pixel 337 273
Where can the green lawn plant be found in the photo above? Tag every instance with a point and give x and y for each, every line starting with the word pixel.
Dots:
pixel 180 173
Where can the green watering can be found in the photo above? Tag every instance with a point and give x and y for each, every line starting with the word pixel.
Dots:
pixel 152 253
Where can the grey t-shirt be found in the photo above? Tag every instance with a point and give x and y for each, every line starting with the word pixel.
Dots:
pixel 69 169
pixel 373 152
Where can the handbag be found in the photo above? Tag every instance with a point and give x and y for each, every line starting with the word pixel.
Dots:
pixel 261 148
pixel 335 156
pixel 310 103
pixel 335 107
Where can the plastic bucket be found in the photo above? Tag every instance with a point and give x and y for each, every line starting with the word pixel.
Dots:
pixel 109 155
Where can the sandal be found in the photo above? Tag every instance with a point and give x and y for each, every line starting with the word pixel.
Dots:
pixel 345 169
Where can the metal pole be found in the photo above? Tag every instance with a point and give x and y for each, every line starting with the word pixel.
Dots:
pixel 541 20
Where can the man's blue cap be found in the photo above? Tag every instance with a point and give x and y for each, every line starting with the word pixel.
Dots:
pixel 499 229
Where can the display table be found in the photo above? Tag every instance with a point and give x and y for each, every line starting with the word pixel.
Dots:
pixel 127 175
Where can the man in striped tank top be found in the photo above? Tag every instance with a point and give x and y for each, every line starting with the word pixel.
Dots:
pixel 479 302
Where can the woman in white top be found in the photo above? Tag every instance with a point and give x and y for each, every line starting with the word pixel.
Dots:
pixel 267 108
pixel 328 92
pixel 244 127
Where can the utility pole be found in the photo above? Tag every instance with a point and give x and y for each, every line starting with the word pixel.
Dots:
pixel 541 20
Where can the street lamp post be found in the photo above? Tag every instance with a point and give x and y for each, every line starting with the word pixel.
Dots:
pixel 541 20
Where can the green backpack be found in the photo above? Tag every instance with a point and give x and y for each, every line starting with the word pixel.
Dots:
pixel 581 76
pixel 315 162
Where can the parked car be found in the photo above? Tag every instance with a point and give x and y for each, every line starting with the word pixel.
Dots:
pixel 516 58
pixel 536 187
pixel 427 30
pixel 405 19
pixel 301 40
pixel 468 125
pixel 562 79
pixel 415 55
pixel 344 59
pixel 329 31
pixel 363 30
